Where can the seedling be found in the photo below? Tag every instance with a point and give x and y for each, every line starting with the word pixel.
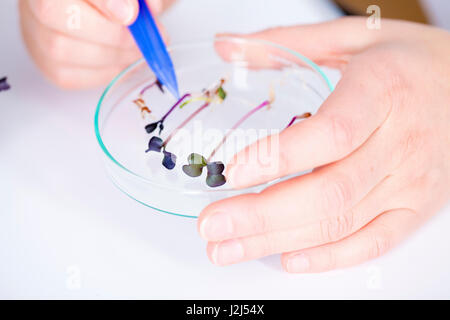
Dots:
pixel 156 144
pixel 152 126
pixel 196 162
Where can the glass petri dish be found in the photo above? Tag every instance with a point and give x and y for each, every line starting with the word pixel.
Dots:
pixel 254 71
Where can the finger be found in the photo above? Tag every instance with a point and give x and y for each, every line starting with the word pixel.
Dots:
pixel 78 78
pixel 371 242
pixel 304 236
pixel 343 123
pixel 78 19
pixel 121 11
pixel 345 120
pixel 69 76
pixel 60 48
pixel 321 197
pixel 125 11
pixel 330 43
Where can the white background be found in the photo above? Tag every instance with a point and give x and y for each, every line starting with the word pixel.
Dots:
pixel 66 232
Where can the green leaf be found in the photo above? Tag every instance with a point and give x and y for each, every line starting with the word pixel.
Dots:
pixel 221 93
pixel 195 158
pixel 184 104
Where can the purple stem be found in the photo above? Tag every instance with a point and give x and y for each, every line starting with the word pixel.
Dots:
pixel 148 87
pixel 250 113
pixel 185 122
pixel 292 122
pixel 237 125
pixel 174 106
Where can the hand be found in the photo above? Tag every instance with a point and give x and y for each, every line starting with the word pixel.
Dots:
pixel 380 143
pixel 81 43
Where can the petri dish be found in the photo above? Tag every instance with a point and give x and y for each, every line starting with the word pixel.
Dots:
pixel 254 71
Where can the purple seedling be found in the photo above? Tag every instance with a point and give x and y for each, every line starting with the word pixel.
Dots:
pixel 185 122
pixel 196 162
pixel 157 144
pixel 216 91
pixel 152 126
pixel 151 85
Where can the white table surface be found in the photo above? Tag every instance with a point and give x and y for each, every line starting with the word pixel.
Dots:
pixel 67 232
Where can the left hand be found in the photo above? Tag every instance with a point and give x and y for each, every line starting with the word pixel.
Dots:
pixel 381 143
pixel 80 44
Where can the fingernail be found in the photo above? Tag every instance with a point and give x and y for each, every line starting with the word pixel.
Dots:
pixel 121 10
pixel 217 226
pixel 298 263
pixel 227 252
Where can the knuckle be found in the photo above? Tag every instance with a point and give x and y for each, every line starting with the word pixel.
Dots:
pixel 389 68
pixel 259 215
pixel 337 195
pixel 409 146
pixel 395 91
pixel 433 179
pixel 336 228
pixel 342 134
pixel 268 244
pixel 380 244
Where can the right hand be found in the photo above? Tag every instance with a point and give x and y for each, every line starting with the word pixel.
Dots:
pixel 80 44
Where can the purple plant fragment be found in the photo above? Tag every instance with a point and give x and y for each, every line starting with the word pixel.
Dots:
pixel 215 180
pixel 169 160
pixel 215 168
pixel 4 84
pixel 155 144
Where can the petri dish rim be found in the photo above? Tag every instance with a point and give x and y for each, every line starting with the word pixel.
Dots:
pixel 105 150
